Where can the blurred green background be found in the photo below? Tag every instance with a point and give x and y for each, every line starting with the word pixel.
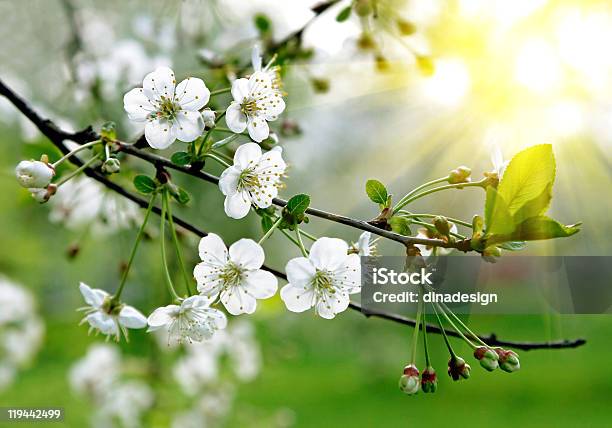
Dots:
pixel 316 372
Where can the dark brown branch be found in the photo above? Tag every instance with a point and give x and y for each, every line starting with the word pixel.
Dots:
pixel 58 136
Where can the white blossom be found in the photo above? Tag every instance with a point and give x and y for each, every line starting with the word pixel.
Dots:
pixel 108 317
pixel 40 195
pixel 235 275
pixel 257 101
pixel 364 245
pixel 324 280
pixel 497 159
pixel 34 174
pixel 97 371
pixel 85 203
pixel 427 250
pixel 169 110
pixel 127 401
pixel 254 178
pixel 191 321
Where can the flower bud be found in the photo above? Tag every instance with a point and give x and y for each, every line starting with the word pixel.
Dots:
pixel 363 7
pixel 460 175
pixel 409 382
pixel 34 174
pixel 458 368
pixel 487 357
pixel 43 195
pixel 111 166
pixel 442 225
pixel 429 380
pixel 209 117
pixel 508 360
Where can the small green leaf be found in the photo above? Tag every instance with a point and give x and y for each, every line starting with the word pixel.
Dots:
pixel 543 227
pixel 266 223
pixel 262 23
pixel 535 207
pixel 528 175
pixel 497 216
pixel 181 158
pixel 225 141
pixel 376 192
pixel 400 225
pixel 344 14
pixel 181 196
pixel 108 131
pixel 295 211
pixel 144 184
pixel 513 245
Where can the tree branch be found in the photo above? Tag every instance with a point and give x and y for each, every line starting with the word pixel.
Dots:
pixel 58 136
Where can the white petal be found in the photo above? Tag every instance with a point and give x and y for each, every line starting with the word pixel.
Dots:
pixel 237 301
pixel 234 117
pixel 247 156
pixel 162 317
pixel 263 198
pixel 192 94
pixel 271 164
pixel 219 318
pixel 348 276
pixel 159 83
pixel 132 318
pixel 247 253
pixel 256 57
pixel 189 125
pixel 159 133
pixel 328 253
pixel 237 205
pixel 331 305
pixel 297 299
pixel 228 182
pixel 212 250
pixel 272 105
pixel 137 105
pixel 300 271
pixel 196 302
pixel 363 243
pixel 105 323
pixel 240 89
pixel 258 128
pixel 259 83
pixel 261 284
pixel 93 297
pixel 207 277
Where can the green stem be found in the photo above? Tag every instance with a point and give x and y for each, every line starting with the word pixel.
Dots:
pixel 162 231
pixel 204 142
pixel 468 341
pixel 77 171
pixel 448 345
pixel 75 151
pixel 465 327
pixel 300 243
pixel 269 232
pixel 220 91
pixel 216 158
pixel 134 248
pixel 291 238
pixel 427 363
pixel 405 201
pixel 177 246
pixel 418 189
pixel 453 220
pixel 308 235
pixel 222 156
pixel 415 334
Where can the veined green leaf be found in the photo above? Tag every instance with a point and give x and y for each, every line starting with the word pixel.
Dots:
pixel 144 184
pixel 376 192
pixel 498 220
pixel 526 179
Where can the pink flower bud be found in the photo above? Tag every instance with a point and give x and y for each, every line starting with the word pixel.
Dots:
pixel 487 357
pixel 409 382
pixel 508 360
pixel 458 368
pixel 429 380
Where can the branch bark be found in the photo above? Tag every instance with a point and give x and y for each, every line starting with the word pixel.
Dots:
pixel 58 136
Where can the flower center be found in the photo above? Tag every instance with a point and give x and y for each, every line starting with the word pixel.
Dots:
pixel 231 275
pixel 167 109
pixel 248 180
pixel 322 281
pixel 249 107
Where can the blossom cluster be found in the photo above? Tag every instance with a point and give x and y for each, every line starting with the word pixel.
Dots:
pixel 21 330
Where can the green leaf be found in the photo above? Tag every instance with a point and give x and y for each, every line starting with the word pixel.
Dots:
pixel 266 223
pixel 294 212
pixel 225 141
pixel 262 23
pixel 497 216
pixel 530 173
pixel 344 14
pixel 513 245
pixel 144 184
pixel 400 225
pixel 181 196
pixel 376 192
pixel 542 227
pixel 181 158
pixel 535 207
